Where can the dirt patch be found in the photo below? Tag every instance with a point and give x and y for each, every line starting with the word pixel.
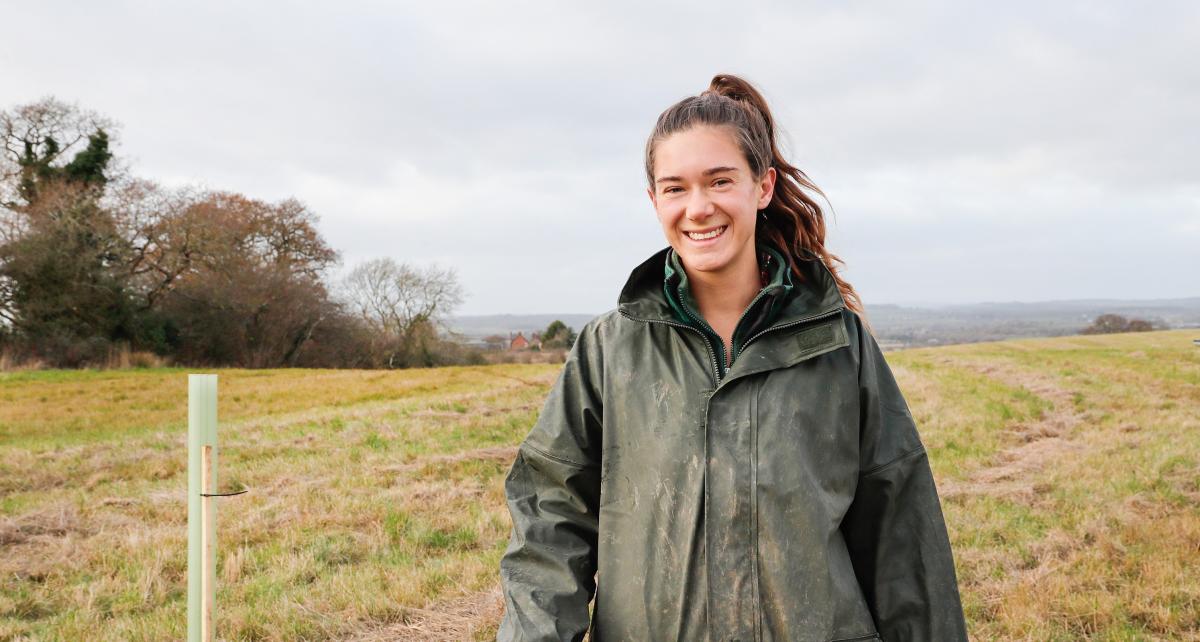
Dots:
pixel 450 621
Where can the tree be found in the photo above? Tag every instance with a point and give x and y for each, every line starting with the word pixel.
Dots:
pixel 48 141
pixel 558 335
pixel 90 256
pixel 1111 323
pixel 61 253
pixel 253 292
pixel 404 305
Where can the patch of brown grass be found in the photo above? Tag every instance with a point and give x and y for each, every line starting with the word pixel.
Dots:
pixel 469 617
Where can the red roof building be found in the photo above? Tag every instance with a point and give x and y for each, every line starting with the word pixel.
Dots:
pixel 518 342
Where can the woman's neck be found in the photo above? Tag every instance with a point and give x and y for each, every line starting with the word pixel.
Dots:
pixel 723 296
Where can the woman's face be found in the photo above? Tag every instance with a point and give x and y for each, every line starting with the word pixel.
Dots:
pixel 707 200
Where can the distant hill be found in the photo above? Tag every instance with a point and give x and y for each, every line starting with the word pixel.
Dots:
pixel 921 325
pixel 994 321
pixel 478 326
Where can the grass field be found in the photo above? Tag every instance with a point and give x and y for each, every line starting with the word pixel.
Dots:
pixel 1069 471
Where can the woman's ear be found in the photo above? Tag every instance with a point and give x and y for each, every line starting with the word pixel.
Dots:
pixel 767 185
pixel 653 201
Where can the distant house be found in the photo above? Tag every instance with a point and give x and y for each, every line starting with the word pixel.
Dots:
pixel 518 342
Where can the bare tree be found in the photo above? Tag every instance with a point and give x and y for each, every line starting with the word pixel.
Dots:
pixel 154 223
pixel 46 135
pixel 403 304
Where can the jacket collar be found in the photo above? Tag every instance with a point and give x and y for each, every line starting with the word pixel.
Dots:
pixel 771 264
pixel 643 296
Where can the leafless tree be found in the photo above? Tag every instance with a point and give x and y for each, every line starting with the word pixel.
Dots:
pixel 403 304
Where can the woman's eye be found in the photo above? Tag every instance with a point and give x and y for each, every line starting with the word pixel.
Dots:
pixel 671 190
pixel 722 181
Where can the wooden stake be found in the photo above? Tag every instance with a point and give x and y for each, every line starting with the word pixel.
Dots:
pixel 208 545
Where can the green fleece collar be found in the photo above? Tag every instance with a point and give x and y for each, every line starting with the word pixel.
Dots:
pixel 763 309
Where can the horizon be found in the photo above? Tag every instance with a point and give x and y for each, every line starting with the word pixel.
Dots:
pixel 918 305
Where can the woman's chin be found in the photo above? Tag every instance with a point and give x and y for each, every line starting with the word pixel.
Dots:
pixel 704 261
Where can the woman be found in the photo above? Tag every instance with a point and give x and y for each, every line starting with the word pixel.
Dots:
pixel 726 456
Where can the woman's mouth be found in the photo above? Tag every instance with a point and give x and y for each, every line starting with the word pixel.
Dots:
pixel 707 235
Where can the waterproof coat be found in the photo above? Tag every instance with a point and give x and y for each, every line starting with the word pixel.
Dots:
pixel 787 498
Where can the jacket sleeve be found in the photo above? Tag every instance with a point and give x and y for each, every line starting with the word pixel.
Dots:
pixel 547 573
pixel 894 529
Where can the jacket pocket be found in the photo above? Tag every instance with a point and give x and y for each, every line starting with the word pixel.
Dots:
pixel 869 636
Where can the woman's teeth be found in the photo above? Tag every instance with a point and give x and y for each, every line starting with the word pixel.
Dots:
pixel 707 235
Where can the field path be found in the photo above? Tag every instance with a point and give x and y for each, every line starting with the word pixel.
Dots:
pixel 1043 440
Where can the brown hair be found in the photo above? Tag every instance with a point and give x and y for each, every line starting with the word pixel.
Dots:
pixel 792 220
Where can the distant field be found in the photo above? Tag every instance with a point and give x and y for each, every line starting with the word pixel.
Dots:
pixel 1069 471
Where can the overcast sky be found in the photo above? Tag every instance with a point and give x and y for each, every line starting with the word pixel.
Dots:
pixel 1017 151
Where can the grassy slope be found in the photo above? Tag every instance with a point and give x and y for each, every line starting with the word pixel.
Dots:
pixel 1069 471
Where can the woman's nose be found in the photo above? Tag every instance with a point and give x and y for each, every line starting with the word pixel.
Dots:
pixel 699 206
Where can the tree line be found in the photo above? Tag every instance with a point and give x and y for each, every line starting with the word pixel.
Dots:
pixel 96 261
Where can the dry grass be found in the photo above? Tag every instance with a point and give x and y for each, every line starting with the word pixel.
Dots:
pixel 1069 471
pixel 372 494
pixel 1079 519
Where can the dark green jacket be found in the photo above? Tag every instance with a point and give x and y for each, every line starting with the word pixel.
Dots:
pixel 788 499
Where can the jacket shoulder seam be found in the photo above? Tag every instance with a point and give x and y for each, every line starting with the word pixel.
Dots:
pixel 561 460
pixel 919 450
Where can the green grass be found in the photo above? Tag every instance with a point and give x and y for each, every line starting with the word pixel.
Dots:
pixel 377 497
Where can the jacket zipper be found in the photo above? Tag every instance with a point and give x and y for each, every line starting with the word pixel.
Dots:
pixel 734 348
pixel 707 344
pixel 708 339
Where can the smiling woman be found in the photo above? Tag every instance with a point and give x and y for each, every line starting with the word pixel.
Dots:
pixel 726 455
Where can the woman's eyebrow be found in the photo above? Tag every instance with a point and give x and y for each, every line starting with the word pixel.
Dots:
pixel 707 172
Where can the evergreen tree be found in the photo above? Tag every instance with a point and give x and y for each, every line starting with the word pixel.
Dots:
pixel 558 335
pixel 64 274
